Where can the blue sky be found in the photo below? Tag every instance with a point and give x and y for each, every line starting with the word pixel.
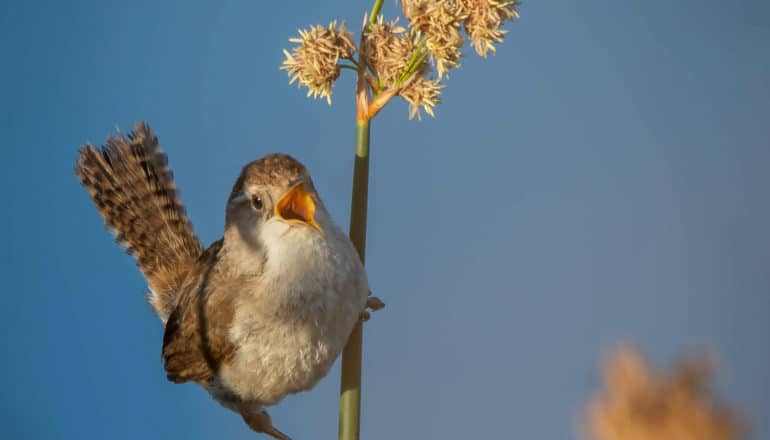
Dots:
pixel 602 179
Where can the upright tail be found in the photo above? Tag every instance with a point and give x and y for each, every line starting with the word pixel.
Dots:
pixel 133 188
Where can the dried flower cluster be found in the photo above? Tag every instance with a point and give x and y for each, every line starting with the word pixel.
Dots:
pixel 421 92
pixel 484 21
pixel 313 63
pixel 640 403
pixel 439 23
pixel 388 49
pixel 400 61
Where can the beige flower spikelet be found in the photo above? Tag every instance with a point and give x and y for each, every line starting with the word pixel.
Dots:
pixel 438 21
pixel 421 92
pixel 641 403
pixel 483 22
pixel 388 48
pixel 313 62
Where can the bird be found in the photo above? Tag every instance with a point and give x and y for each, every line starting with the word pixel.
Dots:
pixel 261 313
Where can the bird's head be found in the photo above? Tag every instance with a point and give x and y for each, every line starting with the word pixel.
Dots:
pixel 272 197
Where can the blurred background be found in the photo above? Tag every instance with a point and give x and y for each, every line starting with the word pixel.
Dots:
pixel 602 179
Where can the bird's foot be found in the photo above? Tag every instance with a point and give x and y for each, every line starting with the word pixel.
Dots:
pixel 372 303
pixel 259 421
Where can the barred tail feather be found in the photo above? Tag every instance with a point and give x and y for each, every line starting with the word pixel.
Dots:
pixel 133 189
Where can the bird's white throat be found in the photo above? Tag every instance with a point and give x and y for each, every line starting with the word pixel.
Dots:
pixel 291 259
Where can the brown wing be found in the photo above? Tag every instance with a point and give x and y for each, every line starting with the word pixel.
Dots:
pixel 196 342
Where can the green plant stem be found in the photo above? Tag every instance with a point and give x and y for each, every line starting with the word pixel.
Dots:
pixel 350 386
pixel 360 189
pixel 350 382
pixel 375 11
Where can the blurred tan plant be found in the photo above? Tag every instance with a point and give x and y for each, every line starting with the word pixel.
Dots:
pixel 642 403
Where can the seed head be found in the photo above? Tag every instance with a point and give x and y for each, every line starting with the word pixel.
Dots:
pixel 421 92
pixel 439 22
pixel 313 62
pixel 483 22
pixel 387 49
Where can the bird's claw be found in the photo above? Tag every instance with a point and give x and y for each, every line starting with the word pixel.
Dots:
pixel 372 303
pixel 260 421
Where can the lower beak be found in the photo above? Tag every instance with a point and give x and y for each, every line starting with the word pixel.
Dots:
pixel 297 205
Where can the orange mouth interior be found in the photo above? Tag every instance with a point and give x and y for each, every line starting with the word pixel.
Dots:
pixel 297 206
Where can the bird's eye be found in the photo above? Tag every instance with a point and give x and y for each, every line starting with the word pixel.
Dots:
pixel 256 202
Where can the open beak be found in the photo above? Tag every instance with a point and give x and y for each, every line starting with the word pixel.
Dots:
pixel 297 205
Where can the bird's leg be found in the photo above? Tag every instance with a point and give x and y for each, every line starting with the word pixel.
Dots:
pixel 372 303
pixel 259 421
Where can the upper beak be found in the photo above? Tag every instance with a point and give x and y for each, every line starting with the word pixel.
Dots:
pixel 297 205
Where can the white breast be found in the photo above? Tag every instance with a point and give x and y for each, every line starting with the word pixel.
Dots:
pixel 292 322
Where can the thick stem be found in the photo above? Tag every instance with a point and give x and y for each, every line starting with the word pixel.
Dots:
pixel 350 383
pixel 350 387
pixel 360 195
